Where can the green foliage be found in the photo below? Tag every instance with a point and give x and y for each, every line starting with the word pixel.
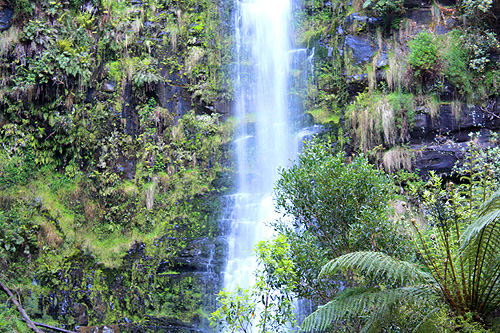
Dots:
pixel 267 306
pixel 9 320
pixel 389 10
pixel 481 13
pixel 19 244
pixel 424 58
pixel 468 63
pixel 235 312
pixel 458 248
pixel 378 119
pixel 310 194
pixel 481 45
pixel 460 257
pixel 402 282
pixel 464 276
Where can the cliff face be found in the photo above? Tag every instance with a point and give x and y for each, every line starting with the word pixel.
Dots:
pixel 113 157
pixel 410 83
pixel 114 154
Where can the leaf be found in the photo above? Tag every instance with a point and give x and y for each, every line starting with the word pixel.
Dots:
pixel 378 265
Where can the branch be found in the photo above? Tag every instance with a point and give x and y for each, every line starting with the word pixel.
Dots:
pixel 20 309
pixel 53 328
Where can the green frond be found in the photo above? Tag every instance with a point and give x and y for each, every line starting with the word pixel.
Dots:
pixel 379 265
pixel 360 301
pixel 481 253
pixel 488 215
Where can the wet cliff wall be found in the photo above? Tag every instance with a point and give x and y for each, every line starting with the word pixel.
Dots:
pixel 408 83
pixel 114 159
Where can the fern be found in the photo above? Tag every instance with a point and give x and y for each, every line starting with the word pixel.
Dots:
pixel 359 301
pixel 466 277
pixel 377 265
pixel 480 249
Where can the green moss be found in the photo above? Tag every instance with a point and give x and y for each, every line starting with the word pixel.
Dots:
pixel 323 116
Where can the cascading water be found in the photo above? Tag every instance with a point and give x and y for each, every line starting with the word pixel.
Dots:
pixel 264 141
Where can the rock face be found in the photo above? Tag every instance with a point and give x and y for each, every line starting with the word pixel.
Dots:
pixel 438 141
pixel 362 47
pixel 6 16
pixel 192 278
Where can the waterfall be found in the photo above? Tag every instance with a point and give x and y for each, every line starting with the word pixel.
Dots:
pixel 270 80
pixel 263 142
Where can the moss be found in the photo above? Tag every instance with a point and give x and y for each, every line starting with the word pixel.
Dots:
pixel 322 116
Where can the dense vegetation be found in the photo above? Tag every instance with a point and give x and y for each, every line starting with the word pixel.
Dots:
pixel 113 158
pixel 113 133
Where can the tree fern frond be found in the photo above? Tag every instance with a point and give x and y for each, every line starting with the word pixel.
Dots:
pixel 488 214
pixel 379 265
pixel 356 301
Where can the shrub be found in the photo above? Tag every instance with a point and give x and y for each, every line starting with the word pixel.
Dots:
pixel 332 208
pixel 424 59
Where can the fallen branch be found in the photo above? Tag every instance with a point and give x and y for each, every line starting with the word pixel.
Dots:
pixel 53 328
pixel 20 309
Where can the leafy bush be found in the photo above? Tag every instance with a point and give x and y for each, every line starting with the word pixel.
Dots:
pixel 333 207
pixel 456 67
pixel 388 10
pixel 458 247
pixel 424 57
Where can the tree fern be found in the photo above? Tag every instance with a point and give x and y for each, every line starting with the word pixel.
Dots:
pixel 378 265
pixel 418 286
pixel 481 252
pixel 360 301
pixel 463 263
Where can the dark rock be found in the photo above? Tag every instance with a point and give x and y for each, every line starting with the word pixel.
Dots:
pixel 421 16
pixel 471 119
pixel 89 96
pixel 6 16
pixel 100 307
pixel 198 256
pixel 129 112
pixel 108 86
pixel 356 17
pixel 412 3
pixel 223 107
pixel 174 98
pixel 361 46
pixel 440 158
pixel 440 141
pixel 125 167
pixel 383 60
pixel 81 316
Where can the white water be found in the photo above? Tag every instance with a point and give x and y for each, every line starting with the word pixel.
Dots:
pixel 263 142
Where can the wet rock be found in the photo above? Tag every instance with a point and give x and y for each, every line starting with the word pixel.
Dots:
pixel 199 256
pixel 440 141
pixel 223 107
pixel 129 112
pixel 81 316
pixel 356 17
pixel 174 98
pixel 440 158
pixel 421 16
pixel 108 86
pixel 361 46
pixel 6 16
pixel 413 3
pixel 100 307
